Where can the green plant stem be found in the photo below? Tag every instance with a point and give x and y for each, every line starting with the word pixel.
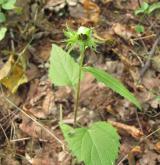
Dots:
pixel 77 90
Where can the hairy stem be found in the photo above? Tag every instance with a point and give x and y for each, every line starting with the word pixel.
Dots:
pixel 77 93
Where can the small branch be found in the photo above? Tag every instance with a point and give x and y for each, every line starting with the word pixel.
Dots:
pixel 150 55
pixel 12 40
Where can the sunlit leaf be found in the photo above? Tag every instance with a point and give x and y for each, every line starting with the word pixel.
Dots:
pixel 2 17
pixel 153 7
pixel 2 1
pixel 144 7
pixel 96 145
pixel 3 31
pixel 139 28
pixel 9 4
pixel 113 83
pixel 63 69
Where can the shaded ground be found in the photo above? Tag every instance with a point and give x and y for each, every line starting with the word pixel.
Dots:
pixel 29 118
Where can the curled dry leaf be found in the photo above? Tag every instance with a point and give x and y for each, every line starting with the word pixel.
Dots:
pixel 34 130
pixel 122 31
pixel 105 36
pixel 55 5
pixel 136 150
pixel 40 100
pixel 86 11
pixel 31 129
pixel 92 9
pixel 157 147
pixel 133 131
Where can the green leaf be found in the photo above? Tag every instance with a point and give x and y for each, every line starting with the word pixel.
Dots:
pixel 2 17
pixel 63 69
pixel 158 98
pixel 153 7
pixel 2 1
pixel 144 7
pixel 112 83
pixel 96 145
pixel 139 28
pixel 9 4
pixel 3 31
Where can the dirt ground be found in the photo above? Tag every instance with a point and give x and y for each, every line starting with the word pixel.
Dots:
pixel 30 105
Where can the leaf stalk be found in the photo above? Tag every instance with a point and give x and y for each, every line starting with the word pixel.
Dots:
pixel 77 90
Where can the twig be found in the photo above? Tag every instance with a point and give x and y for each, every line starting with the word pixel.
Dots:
pixel 139 123
pixel 144 37
pixel 12 40
pixel 150 55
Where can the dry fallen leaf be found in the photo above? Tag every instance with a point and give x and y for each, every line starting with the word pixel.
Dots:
pixel 133 131
pixel 122 31
pixel 55 5
pixel 150 158
pixel 156 63
pixel 12 75
pixel 40 99
pixel 47 155
pixel 86 11
pixel 136 150
pixel 157 147
pixel 93 10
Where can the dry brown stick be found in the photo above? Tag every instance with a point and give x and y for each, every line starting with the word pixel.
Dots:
pixel 150 55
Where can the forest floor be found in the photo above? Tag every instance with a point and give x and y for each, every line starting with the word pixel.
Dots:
pixel 30 105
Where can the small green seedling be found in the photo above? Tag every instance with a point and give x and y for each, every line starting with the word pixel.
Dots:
pixel 139 28
pixel 99 143
pixel 145 10
pixel 5 5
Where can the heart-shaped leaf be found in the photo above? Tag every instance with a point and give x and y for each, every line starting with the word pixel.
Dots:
pixel 96 145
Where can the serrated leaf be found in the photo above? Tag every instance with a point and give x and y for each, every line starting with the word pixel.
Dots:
pixel 96 145
pixel 142 9
pixel 10 4
pixel 153 7
pixel 2 17
pixel 63 69
pixel 3 31
pixel 113 83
